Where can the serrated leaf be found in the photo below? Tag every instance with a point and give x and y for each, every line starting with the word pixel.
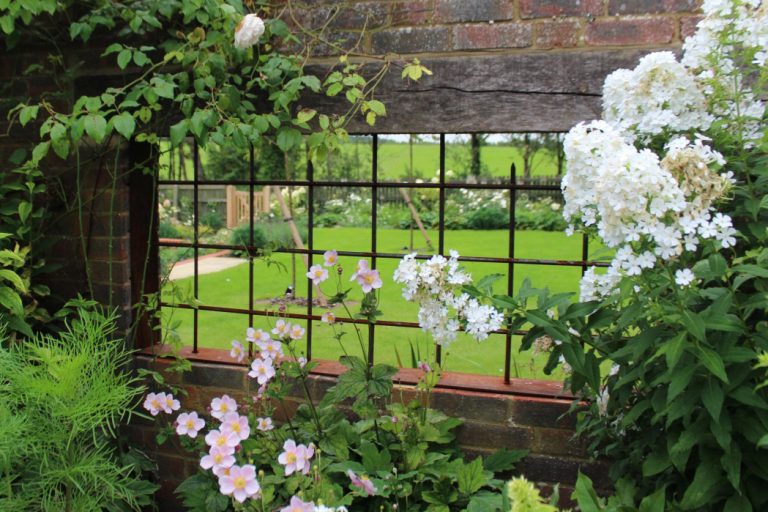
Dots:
pixel 178 132
pixel 123 58
pixel 504 460
pixel 471 477
pixel 125 124
pixel 96 127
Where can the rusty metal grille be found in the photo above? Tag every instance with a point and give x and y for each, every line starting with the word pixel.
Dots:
pixel 374 185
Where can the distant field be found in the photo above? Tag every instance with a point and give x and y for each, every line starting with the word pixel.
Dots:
pixel 394 160
pixel 230 288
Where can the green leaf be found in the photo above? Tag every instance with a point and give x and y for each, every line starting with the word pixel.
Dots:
pixel 655 502
pixel 288 138
pixel 471 477
pixel 11 300
pixel 731 462
pixel 701 490
pixel 334 89
pixel 125 124
pixel 712 361
pixel 306 115
pixel 123 58
pixel 712 396
pixel 655 463
pixel 585 494
pixel 504 460
pixel 96 127
pixel 484 501
pixel 377 107
pixel 28 113
pixel 162 88
pixel 694 323
pixel 25 208
pixel 178 132
pixel 14 278
pixel 675 349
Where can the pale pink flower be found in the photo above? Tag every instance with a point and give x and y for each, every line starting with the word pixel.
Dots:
pixel 256 335
pixel 241 483
pixel 294 457
pixel 169 403
pixel 302 361
pixel 238 352
pixel 328 317
pixel 369 280
pixel 317 274
pixel 218 458
pixel 221 406
pixel 296 332
pixel 363 482
pixel 262 370
pixel 362 266
pixel 281 328
pixel 296 505
pixel 264 424
pixel 153 403
pixel 330 258
pixel 424 366
pixel 270 349
pixel 224 440
pixel 236 424
pixel 188 424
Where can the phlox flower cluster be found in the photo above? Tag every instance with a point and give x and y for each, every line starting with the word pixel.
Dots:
pixel 744 26
pixel 649 210
pixel 660 93
pixel 161 402
pixel 436 285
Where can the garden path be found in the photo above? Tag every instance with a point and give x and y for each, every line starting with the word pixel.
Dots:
pixel 207 264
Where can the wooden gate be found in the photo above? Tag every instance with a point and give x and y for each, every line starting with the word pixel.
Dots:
pixel 238 205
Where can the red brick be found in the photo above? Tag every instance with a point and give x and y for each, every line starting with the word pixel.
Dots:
pixel 688 25
pixel 544 468
pixel 411 40
pixel 557 34
pixel 486 36
pixel 542 412
pixel 121 294
pixel 414 12
pixel 547 8
pixel 451 11
pixel 651 6
pixel 485 435
pixel 630 31
pixel 359 16
pixel 555 441
pixel 472 406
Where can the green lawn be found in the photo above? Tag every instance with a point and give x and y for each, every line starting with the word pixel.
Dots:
pixel 230 288
pixel 394 160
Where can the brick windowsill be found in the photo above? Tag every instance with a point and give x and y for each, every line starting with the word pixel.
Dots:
pixel 464 382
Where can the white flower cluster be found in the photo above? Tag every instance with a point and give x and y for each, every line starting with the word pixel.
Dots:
pixel 744 25
pixel 474 199
pixel 435 284
pixel 651 209
pixel 660 93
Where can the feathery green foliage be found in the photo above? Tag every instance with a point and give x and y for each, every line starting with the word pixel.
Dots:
pixel 62 398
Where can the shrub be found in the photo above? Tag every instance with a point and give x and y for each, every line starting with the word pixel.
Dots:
pixel 213 219
pixel 328 220
pixel 61 401
pixel 488 217
pixel 267 235
pixel 167 229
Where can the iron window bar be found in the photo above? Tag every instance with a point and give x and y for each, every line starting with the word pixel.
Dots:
pixel 374 185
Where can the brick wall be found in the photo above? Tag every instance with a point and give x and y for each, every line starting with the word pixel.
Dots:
pixel 540 425
pixel 449 26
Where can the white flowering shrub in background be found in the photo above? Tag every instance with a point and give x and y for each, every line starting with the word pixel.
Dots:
pixel 673 181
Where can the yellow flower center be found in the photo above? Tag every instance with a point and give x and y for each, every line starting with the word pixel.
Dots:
pixel 218 458
pixel 190 425
pixel 368 278
pixel 318 273
pixel 155 404
pixel 235 427
pixel 239 483
pixel 224 407
pixel 291 458
pixel 221 441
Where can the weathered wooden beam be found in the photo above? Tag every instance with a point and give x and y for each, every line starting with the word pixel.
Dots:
pixel 547 91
